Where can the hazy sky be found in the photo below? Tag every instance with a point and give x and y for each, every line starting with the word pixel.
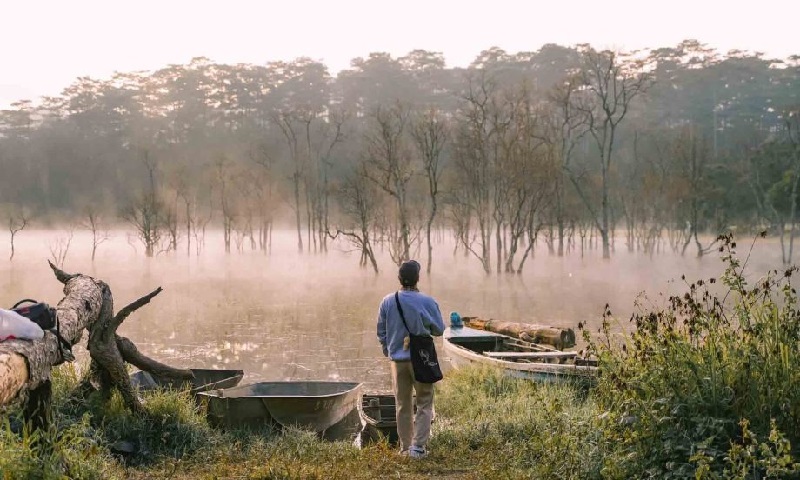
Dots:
pixel 46 44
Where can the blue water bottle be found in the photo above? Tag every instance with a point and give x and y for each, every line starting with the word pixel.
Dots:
pixel 455 320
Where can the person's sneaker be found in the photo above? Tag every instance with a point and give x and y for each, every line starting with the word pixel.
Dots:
pixel 417 452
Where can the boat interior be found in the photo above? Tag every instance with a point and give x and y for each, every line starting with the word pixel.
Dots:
pixel 380 408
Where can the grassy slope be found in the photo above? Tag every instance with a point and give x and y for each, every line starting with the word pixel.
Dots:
pixel 487 426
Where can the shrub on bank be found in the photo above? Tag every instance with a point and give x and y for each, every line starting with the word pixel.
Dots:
pixel 707 386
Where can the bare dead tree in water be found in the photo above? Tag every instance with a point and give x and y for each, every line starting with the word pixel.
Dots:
pixel 171 223
pixel 531 171
pixel 359 203
pixel 503 124
pixel 18 218
pixel 792 130
pixel 248 205
pixel 145 212
pixel 179 187
pixel 565 129
pixel 224 180
pixel 199 221
pixel 474 160
pixel 692 156
pixel 287 121
pixel 666 190
pixel 639 195
pixel 430 133
pixel 322 132
pixel 611 85
pixel 460 216
pixel 59 248
pixel 389 165
pixel 773 174
pixel 265 210
pixel 93 222
pixel 188 207
pixel 264 190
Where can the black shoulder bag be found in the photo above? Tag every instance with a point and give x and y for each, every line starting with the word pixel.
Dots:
pixel 423 353
pixel 46 317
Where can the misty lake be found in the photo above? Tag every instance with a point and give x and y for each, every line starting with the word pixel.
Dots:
pixel 287 316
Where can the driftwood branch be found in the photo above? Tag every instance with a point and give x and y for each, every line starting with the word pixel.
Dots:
pixel 128 309
pixel 132 355
pixel 61 276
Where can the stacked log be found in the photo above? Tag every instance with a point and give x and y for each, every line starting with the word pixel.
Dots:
pixel 556 336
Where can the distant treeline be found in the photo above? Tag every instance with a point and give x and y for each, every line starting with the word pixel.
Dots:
pixel 568 146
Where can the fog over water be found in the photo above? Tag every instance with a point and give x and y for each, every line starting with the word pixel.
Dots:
pixel 286 316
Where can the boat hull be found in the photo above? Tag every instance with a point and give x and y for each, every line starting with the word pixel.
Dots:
pixel 456 341
pixel 309 405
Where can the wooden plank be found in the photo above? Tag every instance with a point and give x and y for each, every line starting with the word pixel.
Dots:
pixel 531 355
pixel 534 347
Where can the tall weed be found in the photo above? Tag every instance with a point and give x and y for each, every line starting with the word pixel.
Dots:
pixel 676 389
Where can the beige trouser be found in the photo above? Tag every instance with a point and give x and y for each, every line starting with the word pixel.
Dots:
pixel 408 423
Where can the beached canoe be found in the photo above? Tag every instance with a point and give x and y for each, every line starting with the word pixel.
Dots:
pixel 204 379
pixel 533 361
pixel 379 417
pixel 310 405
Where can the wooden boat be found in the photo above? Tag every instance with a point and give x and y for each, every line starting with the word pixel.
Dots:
pixel 533 361
pixel 204 379
pixel 379 416
pixel 378 413
pixel 310 405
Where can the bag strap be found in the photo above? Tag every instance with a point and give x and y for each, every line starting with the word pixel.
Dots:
pixel 397 299
pixel 23 301
pixel 64 347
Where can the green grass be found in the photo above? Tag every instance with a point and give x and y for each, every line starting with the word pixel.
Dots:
pixel 70 448
pixel 487 425
pixel 510 427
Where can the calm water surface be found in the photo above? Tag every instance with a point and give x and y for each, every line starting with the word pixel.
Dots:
pixel 287 316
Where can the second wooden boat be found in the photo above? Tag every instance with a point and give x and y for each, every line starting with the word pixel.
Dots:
pixel 310 405
pixel 379 417
pixel 516 357
pixel 204 379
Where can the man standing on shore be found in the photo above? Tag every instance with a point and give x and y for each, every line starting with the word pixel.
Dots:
pixel 423 317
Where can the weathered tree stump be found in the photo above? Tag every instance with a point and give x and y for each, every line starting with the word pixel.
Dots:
pixel 87 304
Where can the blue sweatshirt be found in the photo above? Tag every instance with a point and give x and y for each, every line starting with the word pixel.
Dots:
pixel 422 316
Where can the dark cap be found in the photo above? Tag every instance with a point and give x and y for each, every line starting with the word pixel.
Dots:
pixel 409 273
